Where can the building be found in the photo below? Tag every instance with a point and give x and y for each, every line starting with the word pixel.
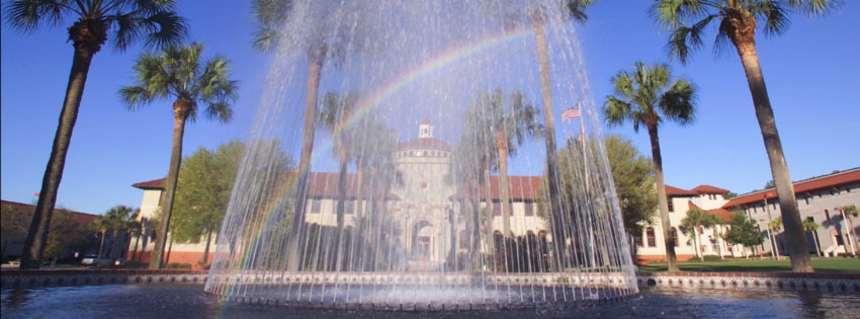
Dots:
pixel 423 207
pixel 14 237
pixel 819 199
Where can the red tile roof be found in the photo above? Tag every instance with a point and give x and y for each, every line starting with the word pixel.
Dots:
pixel 425 144
pixel 708 189
pixel 723 214
pixel 27 209
pixel 800 187
pixel 153 184
pixel 522 188
pixel 320 185
pixel 677 192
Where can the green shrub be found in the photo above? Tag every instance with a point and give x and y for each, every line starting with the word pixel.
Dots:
pixel 712 258
pixel 695 259
pixel 178 266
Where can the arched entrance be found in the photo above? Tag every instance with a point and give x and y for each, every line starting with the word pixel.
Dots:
pixel 423 241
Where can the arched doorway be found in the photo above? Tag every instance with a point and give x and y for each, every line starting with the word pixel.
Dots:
pixel 422 241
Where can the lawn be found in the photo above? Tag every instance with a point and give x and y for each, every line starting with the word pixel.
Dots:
pixel 821 265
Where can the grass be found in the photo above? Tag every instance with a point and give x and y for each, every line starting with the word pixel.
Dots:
pixel 821 265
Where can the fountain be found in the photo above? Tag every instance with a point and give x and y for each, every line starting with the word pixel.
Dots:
pixel 416 176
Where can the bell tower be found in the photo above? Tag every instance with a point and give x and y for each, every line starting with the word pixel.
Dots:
pixel 425 129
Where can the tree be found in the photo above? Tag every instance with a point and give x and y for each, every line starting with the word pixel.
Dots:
pixel 769 184
pixel 811 226
pixel 742 231
pixel 731 195
pixel 118 219
pixel 694 221
pixel 502 127
pixel 12 227
pixel 320 44
pixel 775 226
pixel 633 177
pixel 179 73
pixel 850 211
pixel 128 21
pixel 65 233
pixel 641 96
pixel 738 21
pixel 203 191
pixel 573 9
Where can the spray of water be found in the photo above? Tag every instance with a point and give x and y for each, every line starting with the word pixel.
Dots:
pixel 430 184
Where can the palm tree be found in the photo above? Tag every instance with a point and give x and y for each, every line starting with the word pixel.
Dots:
pixel 573 9
pixel 319 45
pixel 334 115
pixel 153 20
pixel 738 21
pixel 510 124
pixel 775 226
pixel 118 219
pixel 811 226
pixel 179 73
pixel 696 219
pixel 640 97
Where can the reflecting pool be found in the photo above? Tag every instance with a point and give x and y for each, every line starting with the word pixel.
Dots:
pixel 187 301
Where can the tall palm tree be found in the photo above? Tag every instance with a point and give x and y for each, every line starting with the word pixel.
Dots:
pixel 510 124
pixel 640 97
pixel 320 45
pixel 812 227
pixel 179 73
pixel 538 16
pixel 738 21
pixel 334 114
pixel 127 21
pixel 118 219
pixel 696 219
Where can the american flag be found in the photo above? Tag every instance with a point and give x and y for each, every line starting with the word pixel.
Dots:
pixel 570 113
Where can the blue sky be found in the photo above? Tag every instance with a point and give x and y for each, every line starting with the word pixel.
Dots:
pixel 812 73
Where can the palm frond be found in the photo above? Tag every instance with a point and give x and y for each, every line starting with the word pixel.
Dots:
pixel 814 8
pixel 575 9
pixel 774 15
pixel 135 97
pixel 677 102
pixel 220 110
pixel 165 28
pixel 270 16
pixel 25 15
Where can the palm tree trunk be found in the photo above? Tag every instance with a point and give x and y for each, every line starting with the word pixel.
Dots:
pixel 314 73
pixel 341 201
pixel 37 236
pixel 797 246
pixel 488 220
pixel 663 201
pixel 101 246
pixel 551 155
pixel 502 146
pixel 180 108
pixel 206 250
pixel 817 245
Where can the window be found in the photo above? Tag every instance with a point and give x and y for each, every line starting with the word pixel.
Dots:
pixel 637 240
pixel 652 237
pixel 530 209
pixel 464 239
pixel 349 206
pixel 671 206
pixel 673 236
pixel 315 206
pixel 497 209
pixel 806 199
pixel 826 215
